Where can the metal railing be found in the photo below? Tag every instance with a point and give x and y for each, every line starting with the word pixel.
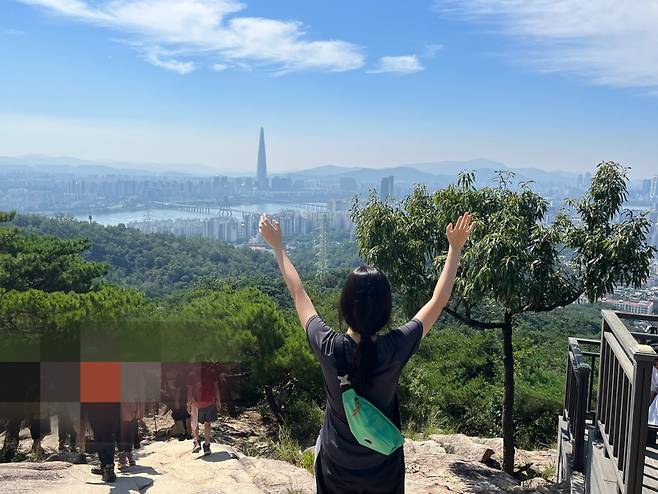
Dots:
pixel 577 398
pixel 623 399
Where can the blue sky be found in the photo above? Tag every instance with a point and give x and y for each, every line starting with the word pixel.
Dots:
pixel 557 85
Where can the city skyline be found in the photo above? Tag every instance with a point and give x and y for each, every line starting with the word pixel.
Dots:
pixel 192 81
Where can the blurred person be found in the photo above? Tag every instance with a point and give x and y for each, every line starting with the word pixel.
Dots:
pixel 203 402
pixel 174 396
pixel 66 426
pixel 104 421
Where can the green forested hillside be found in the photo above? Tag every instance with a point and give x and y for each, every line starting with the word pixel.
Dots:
pixel 155 264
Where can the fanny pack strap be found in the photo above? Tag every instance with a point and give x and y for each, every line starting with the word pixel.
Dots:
pixel 341 363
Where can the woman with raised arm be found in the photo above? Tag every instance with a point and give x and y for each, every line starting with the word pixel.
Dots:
pixel 373 363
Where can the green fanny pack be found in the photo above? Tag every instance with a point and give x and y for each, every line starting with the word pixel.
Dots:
pixel 370 427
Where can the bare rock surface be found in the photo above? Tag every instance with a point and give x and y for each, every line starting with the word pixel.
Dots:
pixel 451 463
pixel 164 467
pixel 454 463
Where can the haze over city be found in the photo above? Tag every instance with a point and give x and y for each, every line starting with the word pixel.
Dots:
pixel 558 86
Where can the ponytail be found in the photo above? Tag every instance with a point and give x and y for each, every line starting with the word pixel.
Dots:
pixel 365 305
pixel 363 361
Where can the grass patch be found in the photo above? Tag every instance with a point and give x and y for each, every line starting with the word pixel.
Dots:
pixel 286 448
pixel 549 473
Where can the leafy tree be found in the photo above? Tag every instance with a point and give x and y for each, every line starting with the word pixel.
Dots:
pixel 45 263
pixel 516 262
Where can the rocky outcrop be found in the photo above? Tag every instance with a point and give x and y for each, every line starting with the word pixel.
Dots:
pixel 452 463
pixel 456 463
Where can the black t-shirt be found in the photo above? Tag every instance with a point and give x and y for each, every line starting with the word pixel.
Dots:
pixel 394 350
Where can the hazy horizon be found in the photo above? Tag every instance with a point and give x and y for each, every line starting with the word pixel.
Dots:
pixel 164 167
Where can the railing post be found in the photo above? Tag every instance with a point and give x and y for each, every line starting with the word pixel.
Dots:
pixel 576 401
pixel 644 360
pixel 603 376
pixel 582 385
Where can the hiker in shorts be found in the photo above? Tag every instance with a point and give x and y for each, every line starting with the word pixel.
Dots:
pixel 174 395
pixel 345 460
pixel 203 402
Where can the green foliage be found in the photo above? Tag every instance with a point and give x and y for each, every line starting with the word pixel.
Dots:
pixel 272 286
pixel 308 461
pixel 454 383
pixel 342 254
pixel 513 263
pixel 304 419
pixel 45 263
pixel 286 447
pixel 156 264
pixel 38 325
pixel 607 253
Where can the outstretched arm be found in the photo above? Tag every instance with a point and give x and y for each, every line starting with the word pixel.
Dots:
pixel 457 236
pixel 271 232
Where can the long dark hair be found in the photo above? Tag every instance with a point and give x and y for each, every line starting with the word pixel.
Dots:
pixel 365 305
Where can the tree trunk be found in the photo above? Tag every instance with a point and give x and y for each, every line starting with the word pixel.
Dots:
pixel 508 399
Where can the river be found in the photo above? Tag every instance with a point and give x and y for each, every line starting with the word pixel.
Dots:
pixel 123 216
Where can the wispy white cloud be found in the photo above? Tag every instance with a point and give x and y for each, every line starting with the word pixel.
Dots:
pixel 210 30
pixel 606 41
pixel 405 64
pixel 219 67
pixel 171 64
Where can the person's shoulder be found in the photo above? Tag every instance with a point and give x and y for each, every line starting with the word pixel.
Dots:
pixel 315 322
pixel 314 319
pixel 405 340
pixel 411 327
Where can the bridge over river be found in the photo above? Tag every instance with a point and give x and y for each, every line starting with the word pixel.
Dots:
pixel 225 209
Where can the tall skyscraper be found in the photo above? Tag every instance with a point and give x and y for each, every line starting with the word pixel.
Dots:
pixel 654 187
pixel 261 169
pixel 387 188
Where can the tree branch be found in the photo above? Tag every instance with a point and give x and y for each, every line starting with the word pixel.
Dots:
pixel 472 322
pixel 547 308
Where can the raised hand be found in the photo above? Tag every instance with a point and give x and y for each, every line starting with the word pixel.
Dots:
pixel 459 233
pixel 271 232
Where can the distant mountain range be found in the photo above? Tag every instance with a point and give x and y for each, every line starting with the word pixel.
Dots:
pixel 431 173
pixel 76 166
pixel 436 173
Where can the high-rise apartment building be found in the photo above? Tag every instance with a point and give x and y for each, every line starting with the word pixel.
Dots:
pixel 387 188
